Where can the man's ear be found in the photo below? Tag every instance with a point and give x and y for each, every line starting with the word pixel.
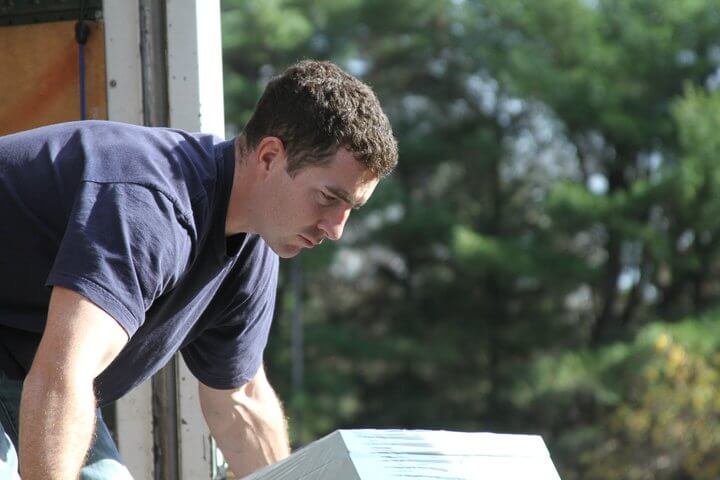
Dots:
pixel 270 154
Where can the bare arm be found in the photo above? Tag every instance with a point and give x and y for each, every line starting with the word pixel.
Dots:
pixel 248 424
pixel 57 409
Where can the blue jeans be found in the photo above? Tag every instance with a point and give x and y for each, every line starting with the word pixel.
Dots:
pixel 103 462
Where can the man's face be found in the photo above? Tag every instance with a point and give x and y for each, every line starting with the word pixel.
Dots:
pixel 303 210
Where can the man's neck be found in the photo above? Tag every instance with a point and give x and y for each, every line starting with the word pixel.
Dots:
pixel 238 211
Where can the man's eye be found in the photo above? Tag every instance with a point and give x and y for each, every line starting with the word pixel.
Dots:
pixel 326 199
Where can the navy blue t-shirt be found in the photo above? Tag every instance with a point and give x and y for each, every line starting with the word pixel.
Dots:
pixel 133 218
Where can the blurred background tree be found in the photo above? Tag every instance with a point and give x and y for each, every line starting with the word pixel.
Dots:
pixel 545 257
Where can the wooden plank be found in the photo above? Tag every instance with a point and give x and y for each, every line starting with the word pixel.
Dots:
pixel 40 80
pixel 404 454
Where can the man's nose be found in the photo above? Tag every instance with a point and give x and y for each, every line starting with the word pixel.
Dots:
pixel 333 224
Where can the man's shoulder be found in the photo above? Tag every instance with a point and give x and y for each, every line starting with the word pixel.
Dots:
pixel 96 127
pixel 180 164
pixel 109 139
pixel 130 137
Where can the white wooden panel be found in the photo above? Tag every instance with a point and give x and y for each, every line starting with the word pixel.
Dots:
pixel 195 90
pixel 195 81
pixel 134 431
pixel 403 454
pixel 196 104
pixel 122 59
pixel 124 97
pixel 195 445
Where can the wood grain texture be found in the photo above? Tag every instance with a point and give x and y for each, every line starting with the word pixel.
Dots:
pixel 40 75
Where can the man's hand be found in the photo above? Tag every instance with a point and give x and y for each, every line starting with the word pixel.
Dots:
pixel 248 424
pixel 57 410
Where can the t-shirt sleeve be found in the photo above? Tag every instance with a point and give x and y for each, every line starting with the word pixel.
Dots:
pixel 124 245
pixel 230 353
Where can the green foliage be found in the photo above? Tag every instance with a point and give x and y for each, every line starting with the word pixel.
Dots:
pixel 644 407
pixel 557 189
pixel 513 258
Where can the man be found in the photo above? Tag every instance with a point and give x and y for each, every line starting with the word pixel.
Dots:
pixel 120 245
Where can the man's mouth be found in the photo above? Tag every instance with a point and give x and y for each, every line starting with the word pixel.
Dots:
pixel 309 243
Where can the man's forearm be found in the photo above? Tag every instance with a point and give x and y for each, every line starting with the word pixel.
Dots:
pixel 248 424
pixel 57 418
pixel 257 437
pixel 57 408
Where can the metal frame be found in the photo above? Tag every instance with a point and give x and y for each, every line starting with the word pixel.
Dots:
pixel 187 43
pixel 21 12
pixel 195 86
pixel 133 413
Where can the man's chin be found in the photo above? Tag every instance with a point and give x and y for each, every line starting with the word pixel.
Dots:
pixel 285 251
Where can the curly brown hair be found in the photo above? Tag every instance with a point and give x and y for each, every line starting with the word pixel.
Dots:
pixel 316 108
